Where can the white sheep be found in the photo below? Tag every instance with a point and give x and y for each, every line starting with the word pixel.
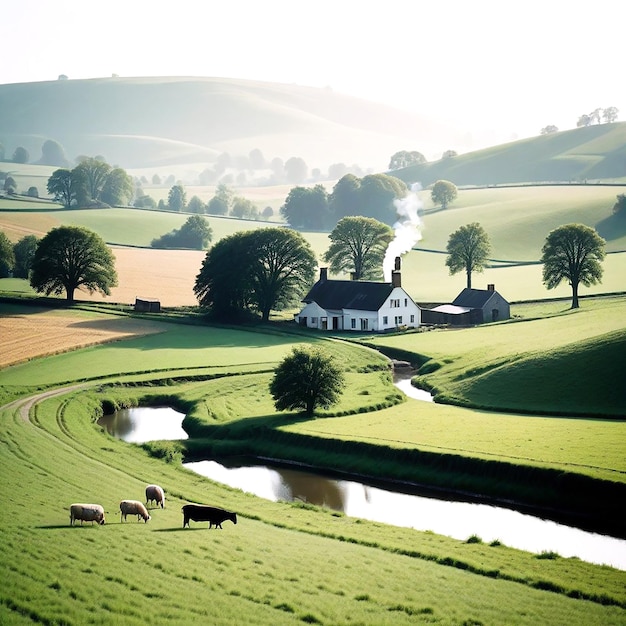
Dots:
pixel 134 507
pixel 156 493
pixel 86 513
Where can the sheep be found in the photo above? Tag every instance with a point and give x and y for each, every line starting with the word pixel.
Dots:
pixel 134 507
pixel 156 493
pixel 86 513
pixel 211 514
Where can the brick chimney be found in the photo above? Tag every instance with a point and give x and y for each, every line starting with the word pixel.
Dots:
pixel 491 287
pixel 396 279
pixel 323 274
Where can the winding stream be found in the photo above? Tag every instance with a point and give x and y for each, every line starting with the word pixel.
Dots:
pixel 446 517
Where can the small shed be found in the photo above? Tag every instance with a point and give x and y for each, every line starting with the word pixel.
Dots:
pixel 489 305
pixel 147 305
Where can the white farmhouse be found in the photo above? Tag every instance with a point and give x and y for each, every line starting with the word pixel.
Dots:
pixel 359 305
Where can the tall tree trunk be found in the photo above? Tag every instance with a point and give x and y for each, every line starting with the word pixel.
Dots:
pixel 575 296
pixel 469 279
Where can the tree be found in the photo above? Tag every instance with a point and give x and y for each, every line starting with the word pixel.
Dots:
pixel 404 158
pixel 21 155
pixel 62 187
pixel 619 208
pixel 245 209
pixel 468 249
pixel 7 256
pixel 33 192
pixel 118 188
pixel 52 153
pixel 296 170
pixel 378 194
pixel 176 198
pixel 10 186
pixel 443 193
pixel 89 177
pixel 156 179
pixel 24 251
pixel 358 245
pixel 306 208
pixel 550 129
pixel 268 213
pixel 221 202
pixel 196 205
pixel 223 285
pixel 573 252
pixel 145 201
pixel 262 270
pixel 195 233
pixel 583 120
pixel 449 154
pixel 305 380
pixel 609 115
pixel 70 258
pixel 344 199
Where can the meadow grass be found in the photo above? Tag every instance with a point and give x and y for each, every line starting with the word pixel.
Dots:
pixel 566 363
pixel 282 563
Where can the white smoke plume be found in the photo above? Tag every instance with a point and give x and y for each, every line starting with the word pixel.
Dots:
pixel 407 229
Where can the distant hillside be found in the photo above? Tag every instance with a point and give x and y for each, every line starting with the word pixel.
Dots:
pixel 148 122
pixel 584 154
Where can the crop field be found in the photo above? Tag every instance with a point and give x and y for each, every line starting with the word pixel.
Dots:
pixel 282 563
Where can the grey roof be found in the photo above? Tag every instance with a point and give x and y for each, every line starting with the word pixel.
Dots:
pixel 349 294
pixel 474 298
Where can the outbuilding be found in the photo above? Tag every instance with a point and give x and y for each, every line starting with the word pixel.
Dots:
pixel 147 305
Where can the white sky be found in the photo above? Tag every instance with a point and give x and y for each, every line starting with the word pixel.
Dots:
pixel 498 69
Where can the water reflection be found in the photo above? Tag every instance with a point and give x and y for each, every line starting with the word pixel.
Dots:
pixel 454 519
pixel 142 424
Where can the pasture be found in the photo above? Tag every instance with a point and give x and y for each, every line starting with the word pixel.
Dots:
pixel 282 563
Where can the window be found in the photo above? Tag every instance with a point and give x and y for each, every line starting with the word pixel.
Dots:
pixel 412 319
pixel 353 323
pixel 314 320
pixel 364 323
pixel 385 320
pixel 398 320
pixel 394 303
pixel 406 302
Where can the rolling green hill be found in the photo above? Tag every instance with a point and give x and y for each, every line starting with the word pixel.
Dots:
pixel 149 122
pixel 583 154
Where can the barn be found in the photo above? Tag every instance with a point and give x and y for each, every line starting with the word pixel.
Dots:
pixel 147 305
pixel 471 306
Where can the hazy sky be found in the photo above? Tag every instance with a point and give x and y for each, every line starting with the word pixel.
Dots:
pixel 499 69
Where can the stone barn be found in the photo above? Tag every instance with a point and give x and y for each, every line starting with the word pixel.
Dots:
pixel 471 306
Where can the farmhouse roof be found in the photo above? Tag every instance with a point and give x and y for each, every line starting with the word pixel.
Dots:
pixel 473 298
pixel 349 294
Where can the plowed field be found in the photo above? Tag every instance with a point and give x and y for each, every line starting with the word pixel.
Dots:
pixel 23 337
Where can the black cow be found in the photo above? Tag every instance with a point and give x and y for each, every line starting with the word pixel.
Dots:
pixel 211 514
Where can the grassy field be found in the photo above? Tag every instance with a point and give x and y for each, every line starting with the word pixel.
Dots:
pixel 570 362
pixel 516 219
pixel 267 568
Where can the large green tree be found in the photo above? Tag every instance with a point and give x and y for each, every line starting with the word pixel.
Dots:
pixel 305 380
pixel 118 188
pixel 358 246
pixel 195 233
pixel 378 194
pixel 24 251
pixel 7 256
pixel 574 253
pixel 62 187
pixel 468 249
pixel 70 258
pixel 90 176
pixel 261 270
pixel 224 286
pixel 443 193
pixel 306 208
pixel 177 198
